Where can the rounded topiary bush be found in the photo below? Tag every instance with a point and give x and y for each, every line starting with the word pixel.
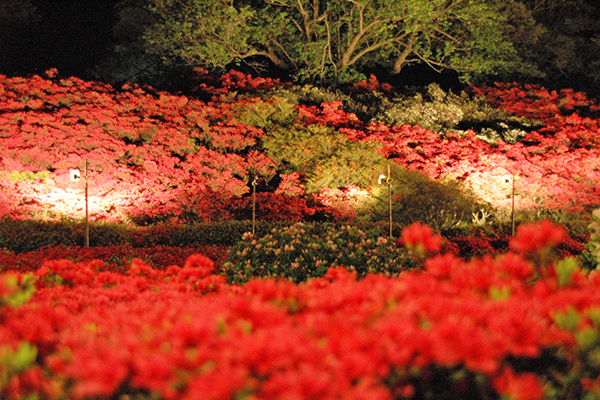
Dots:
pixel 303 251
pixel 417 198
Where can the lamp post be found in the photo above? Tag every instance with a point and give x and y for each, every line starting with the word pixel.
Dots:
pixel 76 177
pixel 254 181
pixel 388 179
pixel 512 213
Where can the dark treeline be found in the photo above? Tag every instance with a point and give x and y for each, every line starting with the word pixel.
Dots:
pixel 552 42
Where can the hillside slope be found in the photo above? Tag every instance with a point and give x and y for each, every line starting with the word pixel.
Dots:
pixel 157 156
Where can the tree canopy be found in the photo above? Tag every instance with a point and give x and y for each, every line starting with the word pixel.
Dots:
pixel 321 38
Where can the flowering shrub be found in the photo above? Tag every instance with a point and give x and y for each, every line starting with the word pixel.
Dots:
pixel 303 251
pixel 271 207
pixel 480 329
pixel 421 240
pixel 115 257
pixel 154 156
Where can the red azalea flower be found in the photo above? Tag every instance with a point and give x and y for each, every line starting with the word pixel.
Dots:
pixel 525 386
pixel 442 266
pixel 204 264
pixel 421 239
pixel 537 236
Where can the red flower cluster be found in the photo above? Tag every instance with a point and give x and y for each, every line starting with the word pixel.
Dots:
pixel 420 239
pixel 182 333
pixel 155 155
pixel 538 236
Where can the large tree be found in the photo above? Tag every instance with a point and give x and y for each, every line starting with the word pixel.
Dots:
pixel 569 49
pixel 316 38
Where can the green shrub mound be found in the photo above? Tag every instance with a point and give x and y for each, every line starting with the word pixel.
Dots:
pixel 417 198
pixel 303 251
pixel 328 160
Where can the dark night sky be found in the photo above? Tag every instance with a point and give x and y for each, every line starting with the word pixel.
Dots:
pixel 72 36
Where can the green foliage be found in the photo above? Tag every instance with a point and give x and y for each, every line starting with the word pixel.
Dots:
pixel 20 236
pixel 264 113
pixel 14 361
pixel 303 251
pixel 25 235
pixel 583 359
pixel 16 176
pixel 327 158
pixel 594 242
pixel 311 95
pixel 565 269
pixel 18 360
pixel 210 34
pixel 16 290
pixel 225 233
pixel 568 47
pixel 441 112
pixel 415 197
pixel 336 38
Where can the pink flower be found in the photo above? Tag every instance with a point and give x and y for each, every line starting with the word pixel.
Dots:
pixel 537 236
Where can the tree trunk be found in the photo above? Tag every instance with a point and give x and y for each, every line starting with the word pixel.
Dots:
pixel 403 56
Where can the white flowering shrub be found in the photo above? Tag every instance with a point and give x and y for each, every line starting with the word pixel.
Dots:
pixel 443 112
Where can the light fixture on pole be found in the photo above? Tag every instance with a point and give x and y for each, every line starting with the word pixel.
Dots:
pixel 512 213
pixel 76 177
pixel 388 179
pixel 254 182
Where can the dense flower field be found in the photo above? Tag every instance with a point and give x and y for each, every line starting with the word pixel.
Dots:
pixel 555 166
pixel 519 321
pixel 522 325
pixel 158 155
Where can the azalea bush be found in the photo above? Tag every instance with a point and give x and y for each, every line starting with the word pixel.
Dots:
pixel 304 251
pixel 522 325
pixel 155 157
pixel 441 112
pixel 416 197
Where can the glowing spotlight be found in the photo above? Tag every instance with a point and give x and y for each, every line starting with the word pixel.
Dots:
pixel 75 175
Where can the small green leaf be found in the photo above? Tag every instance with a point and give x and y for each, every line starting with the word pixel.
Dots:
pixel 565 269
pixel 594 315
pixel 19 360
pixel 499 294
pixel 24 290
pixel 587 338
pixel 567 320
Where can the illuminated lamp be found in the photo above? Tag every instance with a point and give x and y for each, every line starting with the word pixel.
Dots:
pixel 254 182
pixel 75 175
pixel 388 179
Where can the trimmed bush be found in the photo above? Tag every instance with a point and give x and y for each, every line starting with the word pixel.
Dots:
pixel 416 198
pixel 303 251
